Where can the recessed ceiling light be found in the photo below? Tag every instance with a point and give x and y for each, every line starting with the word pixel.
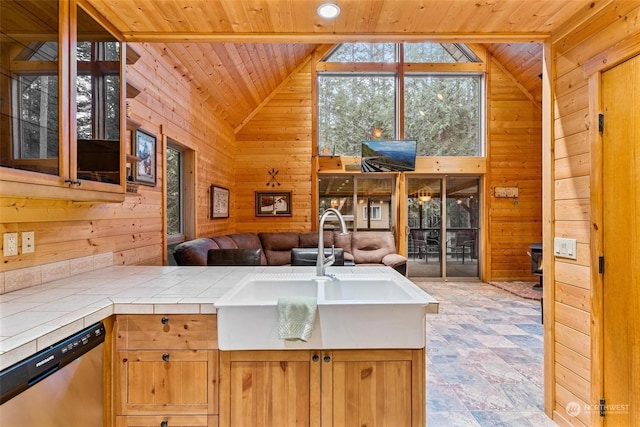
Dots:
pixel 328 10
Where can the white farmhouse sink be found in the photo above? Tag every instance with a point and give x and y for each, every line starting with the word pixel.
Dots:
pixel 354 311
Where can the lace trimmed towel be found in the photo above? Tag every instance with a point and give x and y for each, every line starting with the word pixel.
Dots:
pixel 295 317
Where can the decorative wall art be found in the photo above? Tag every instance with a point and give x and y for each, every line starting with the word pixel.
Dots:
pixel 219 202
pixel 145 149
pixel 273 203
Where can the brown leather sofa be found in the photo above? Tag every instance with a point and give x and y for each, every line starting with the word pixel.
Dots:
pixel 360 247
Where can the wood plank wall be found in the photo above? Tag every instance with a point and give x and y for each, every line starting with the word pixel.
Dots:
pixel 133 230
pixel 277 137
pixel 514 160
pixel 574 354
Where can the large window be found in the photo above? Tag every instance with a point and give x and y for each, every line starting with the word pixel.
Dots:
pixel 442 112
pixel 359 98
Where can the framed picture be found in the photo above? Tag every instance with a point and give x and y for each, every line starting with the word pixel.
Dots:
pixel 273 204
pixel 219 202
pixel 145 149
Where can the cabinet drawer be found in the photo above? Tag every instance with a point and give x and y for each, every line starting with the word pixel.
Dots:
pixel 169 420
pixel 166 332
pixel 169 382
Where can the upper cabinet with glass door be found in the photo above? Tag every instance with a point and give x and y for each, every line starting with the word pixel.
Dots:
pixel 60 125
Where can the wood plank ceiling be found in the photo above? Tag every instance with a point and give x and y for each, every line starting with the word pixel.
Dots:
pixel 250 46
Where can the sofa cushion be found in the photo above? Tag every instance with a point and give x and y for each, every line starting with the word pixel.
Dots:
pixel 225 242
pixel 234 256
pixel 277 246
pixel 342 241
pixel 249 241
pixel 310 239
pixel 194 252
pixel 309 256
pixel 370 247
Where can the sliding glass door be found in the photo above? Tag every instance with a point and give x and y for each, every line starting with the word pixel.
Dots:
pixel 444 223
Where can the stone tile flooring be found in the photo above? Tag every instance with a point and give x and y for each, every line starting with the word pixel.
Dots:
pixel 484 358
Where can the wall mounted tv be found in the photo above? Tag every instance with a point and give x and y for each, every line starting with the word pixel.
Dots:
pixel 388 156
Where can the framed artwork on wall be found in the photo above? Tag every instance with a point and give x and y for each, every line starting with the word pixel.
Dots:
pixel 145 149
pixel 219 202
pixel 273 203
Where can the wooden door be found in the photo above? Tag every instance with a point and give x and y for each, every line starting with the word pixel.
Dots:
pixel 166 382
pixel 267 388
pixel 373 388
pixel 621 211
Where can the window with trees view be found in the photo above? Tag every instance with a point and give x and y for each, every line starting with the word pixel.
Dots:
pixel 363 87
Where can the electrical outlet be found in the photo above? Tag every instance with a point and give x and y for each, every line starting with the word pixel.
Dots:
pixel 10 244
pixel 28 242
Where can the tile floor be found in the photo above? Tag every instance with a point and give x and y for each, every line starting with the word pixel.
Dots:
pixel 484 358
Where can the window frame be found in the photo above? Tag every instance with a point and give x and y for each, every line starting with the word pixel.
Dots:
pixel 400 69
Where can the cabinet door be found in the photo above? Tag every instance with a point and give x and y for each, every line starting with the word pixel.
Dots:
pixel 268 388
pixel 373 388
pixel 173 382
pixel 167 421
pixel 166 332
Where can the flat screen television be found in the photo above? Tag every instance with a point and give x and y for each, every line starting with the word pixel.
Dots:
pixel 388 155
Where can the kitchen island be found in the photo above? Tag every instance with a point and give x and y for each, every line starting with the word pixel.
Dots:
pixel 36 317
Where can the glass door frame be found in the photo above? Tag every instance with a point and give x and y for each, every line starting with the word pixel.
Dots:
pixel 444 229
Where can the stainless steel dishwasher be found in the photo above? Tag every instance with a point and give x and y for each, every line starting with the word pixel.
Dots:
pixel 59 386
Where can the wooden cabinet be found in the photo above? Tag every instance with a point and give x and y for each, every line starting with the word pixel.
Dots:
pixel 166 370
pixel 62 115
pixel 322 388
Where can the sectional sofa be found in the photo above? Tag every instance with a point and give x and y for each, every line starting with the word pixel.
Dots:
pixel 360 247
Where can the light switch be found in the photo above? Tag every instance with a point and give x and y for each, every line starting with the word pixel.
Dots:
pixel 565 248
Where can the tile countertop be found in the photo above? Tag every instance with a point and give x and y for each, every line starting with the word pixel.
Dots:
pixel 34 318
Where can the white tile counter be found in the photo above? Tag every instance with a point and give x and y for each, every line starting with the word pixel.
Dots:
pixel 34 318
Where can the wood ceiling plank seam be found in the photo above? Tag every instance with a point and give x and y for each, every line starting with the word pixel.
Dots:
pixel 459 13
pixel 249 71
pixel 258 15
pixel 198 78
pixel 229 70
pixel 492 17
pixel 594 11
pixel 271 80
pixel 428 20
pixel 107 10
pixel 515 81
pixel 228 88
pixel 391 17
pixel 182 53
pixel 247 119
pixel 239 20
pixel 221 20
pixel 247 53
pixel 364 17
pixel 280 56
pixel 149 16
pixel 599 43
pixel 172 13
pixel 199 19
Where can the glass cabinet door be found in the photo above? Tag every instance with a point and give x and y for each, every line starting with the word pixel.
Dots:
pixel 97 101
pixel 29 86
pixel 59 124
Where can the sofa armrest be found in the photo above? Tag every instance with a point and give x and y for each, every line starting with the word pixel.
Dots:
pixel 397 262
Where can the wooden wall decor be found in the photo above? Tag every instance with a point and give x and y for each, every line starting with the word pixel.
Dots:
pixel 273 178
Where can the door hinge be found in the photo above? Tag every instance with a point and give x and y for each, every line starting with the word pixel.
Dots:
pixel 601 264
pixel 603 407
pixel 600 122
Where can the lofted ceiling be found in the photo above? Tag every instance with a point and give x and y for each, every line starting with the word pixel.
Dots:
pixel 248 47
